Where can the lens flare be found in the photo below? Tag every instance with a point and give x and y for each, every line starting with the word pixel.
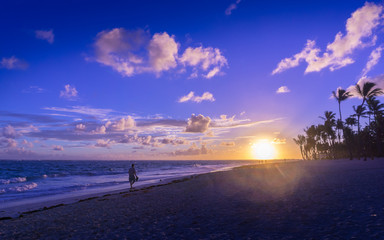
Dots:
pixel 263 149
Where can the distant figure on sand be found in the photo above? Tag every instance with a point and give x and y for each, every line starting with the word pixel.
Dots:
pixel 132 175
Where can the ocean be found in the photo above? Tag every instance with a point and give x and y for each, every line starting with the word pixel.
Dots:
pixel 23 182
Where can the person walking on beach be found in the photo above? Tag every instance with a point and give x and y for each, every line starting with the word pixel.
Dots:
pixel 132 175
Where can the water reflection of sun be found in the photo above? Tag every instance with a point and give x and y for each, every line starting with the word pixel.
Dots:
pixel 263 149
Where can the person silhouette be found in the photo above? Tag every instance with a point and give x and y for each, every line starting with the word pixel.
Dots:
pixel 132 175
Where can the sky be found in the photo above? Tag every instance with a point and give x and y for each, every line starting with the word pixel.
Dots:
pixel 177 79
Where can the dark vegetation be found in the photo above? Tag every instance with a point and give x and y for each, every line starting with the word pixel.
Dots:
pixel 335 138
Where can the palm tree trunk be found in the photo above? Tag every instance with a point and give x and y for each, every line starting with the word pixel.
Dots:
pixel 341 121
pixel 358 138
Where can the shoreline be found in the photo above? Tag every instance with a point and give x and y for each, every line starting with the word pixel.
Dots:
pixel 14 210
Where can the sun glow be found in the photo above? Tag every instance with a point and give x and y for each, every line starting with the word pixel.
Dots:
pixel 263 149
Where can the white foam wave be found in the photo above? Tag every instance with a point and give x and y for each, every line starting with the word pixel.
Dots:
pixel 18 179
pixel 5 181
pixel 24 187
pixel 13 180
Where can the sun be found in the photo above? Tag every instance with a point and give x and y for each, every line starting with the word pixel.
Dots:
pixel 263 149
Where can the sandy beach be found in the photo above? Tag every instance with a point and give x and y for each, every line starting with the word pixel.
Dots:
pixel 327 199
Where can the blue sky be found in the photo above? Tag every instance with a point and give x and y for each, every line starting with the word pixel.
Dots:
pixel 177 79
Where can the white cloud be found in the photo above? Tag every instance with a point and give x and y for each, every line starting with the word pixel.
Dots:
pixel 117 48
pixel 100 130
pixel 179 141
pixel 232 7
pixel 26 143
pixel 9 132
pixel 142 140
pixel 209 59
pixel 45 35
pixel 69 92
pixel 103 143
pixel 193 150
pixel 207 96
pixel 8 143
pixel 373 60
pixel 97 112
pixel 228 123
pixel 13 63
pixel 283 89
pixel 80 126
pixel 162 52
pixel 134 52
pixel 198 123
pixel 122 124
pixel 58 148
pixel 359 34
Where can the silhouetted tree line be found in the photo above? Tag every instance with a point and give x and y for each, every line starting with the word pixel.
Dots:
pixel 336 138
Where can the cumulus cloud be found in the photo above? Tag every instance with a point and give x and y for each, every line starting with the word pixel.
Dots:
pixel 45 35
pixel 8 143
pixel 209 59
pixel 13 63
pixel 122 124
pixel 198 123
pixel 58 148
pixel 133 52
pixel 359 34
pixel 207 96
pixel 118 48
pixel 100 130
pixel 232 7
pixel 80 126
pixel 283 89
pixel 373 60
pixel 9 132
pixel 162 52
pixel 180 141
pixel 103 143
pixel 193 150
pixel 26 143
pixel 141 140
pixel 69 92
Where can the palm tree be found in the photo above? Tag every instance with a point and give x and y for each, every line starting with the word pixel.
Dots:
pixel 301 142
pixel 341 95
pixel 350 121
pixel 360 111
pixel 375 107
pixel 366 91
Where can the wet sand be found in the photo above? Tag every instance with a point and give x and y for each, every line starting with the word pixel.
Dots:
pixel 328 199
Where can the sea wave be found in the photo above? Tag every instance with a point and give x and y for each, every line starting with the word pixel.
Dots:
pixel 23 188
pixel 13 180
